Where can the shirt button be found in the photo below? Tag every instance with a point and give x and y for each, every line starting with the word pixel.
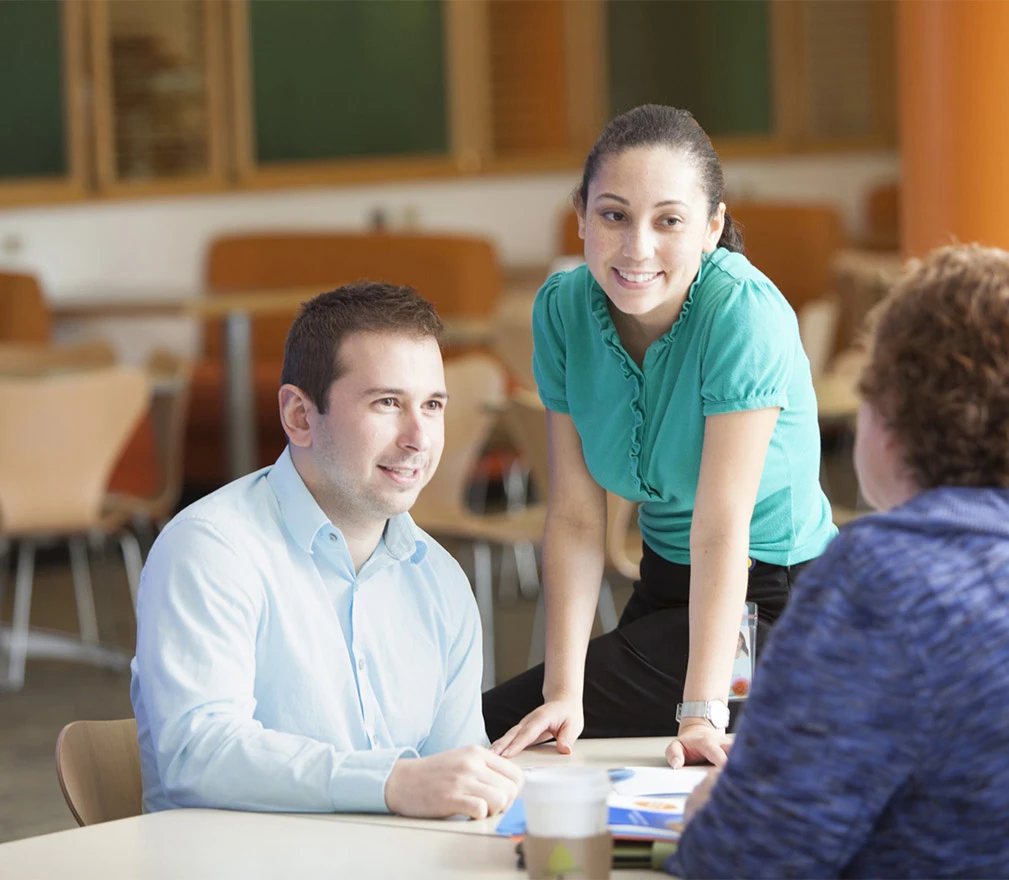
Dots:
pixel 332 537
pixel 360 663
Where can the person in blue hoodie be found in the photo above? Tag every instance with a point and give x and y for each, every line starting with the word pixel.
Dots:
pixel 876 738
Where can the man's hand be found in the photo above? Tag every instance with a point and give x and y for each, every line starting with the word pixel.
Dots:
pixel 471 781
pixel 700 795
pixel 696 743
pixel 559 719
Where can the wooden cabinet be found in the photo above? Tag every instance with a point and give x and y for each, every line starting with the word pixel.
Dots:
pixel 158 110
pixel 115 97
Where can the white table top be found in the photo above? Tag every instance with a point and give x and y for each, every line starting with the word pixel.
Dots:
pixel 220 845
pixel 608 753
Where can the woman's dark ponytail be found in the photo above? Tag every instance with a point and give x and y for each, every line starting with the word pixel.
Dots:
pixel 732 236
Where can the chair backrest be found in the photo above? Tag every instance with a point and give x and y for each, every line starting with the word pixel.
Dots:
pixel 623 540
pixel 793 245
pixel 476 389
pixel 526 420
pixel 882 218
pixel 459 275
pixel 98 765
pixel 59 439
pixel 818 320
pixel 42 359
pixel 170 376
pixel 24 316
pixel 525 417
pixel 512 338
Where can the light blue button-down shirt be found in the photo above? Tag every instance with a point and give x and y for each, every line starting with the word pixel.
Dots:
pixel 270 676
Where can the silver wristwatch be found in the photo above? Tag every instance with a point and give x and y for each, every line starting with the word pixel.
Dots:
pixel 714 711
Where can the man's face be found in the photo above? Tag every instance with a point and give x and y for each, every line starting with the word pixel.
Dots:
pixel 381 438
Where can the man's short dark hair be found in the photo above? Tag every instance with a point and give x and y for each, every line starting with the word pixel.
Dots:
pixel 312 350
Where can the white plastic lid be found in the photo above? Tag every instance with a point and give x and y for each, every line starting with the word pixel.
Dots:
pixel 566 784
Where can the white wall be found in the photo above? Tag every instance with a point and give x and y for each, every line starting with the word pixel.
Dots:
pixel 129 246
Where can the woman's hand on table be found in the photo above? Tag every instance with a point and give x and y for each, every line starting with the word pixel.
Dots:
pixel 698 742
pixel 561 719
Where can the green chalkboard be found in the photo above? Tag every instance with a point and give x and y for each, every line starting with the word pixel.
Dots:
pixel 709 56
pixel 31 90
pixel 343 78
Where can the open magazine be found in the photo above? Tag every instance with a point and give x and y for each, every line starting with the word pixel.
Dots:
pixel 646 803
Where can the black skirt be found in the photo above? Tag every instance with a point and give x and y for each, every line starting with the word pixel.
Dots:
pixel 634 675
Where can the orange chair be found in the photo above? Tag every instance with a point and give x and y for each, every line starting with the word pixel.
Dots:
pixel 24 316
pixel 52 483
pixel 459 275
pixel 793 245
pixel 25 337
pixel 883 218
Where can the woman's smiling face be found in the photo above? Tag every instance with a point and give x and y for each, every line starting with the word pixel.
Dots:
pixel 645 226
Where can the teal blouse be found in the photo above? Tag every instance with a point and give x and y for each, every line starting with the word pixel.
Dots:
pixel 735 346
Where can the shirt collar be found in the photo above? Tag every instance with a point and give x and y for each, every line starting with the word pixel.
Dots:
pixel 304 518
pixel 298 508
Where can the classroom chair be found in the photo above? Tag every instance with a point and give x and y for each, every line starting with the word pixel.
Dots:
pixel 98 765
pixel 55 462
pixel 460 275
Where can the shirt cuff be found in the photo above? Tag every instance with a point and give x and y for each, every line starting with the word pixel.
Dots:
pixel 746 404
pixel 358 785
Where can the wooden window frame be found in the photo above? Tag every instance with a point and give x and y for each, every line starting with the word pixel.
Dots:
pixel 74 184
pixel 249 174
pixel 107 179
pixel 792 133
pixel 231 152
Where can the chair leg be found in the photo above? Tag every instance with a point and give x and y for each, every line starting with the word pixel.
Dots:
pixel 508 577
pixel 606 608
pixel 18 650
pixel 483 587
pixel 132 562
pixel 5 548
pixel 528 571
pixel 87 621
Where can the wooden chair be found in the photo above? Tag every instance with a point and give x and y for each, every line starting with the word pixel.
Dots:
pixel 476 386
pixel 792 244
pixel 512 338
pixel 98 765
pixel 24 315
pixel 42 359
pixel 55 462
pixel 459 275
pixel 525 417
pixel 170 376
pixel 882 218
pixel 623 538
pixel 138 470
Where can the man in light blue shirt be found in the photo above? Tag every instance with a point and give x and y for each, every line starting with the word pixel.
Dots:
pixel 301 644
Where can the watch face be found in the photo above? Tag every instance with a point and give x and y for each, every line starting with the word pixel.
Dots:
pixel 718 713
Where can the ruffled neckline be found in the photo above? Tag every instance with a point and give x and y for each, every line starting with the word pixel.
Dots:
pixel 600 311
pixel 631 372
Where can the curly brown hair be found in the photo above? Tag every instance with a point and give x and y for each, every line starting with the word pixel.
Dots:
pixel 938 371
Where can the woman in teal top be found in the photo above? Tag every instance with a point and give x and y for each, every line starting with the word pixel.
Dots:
pixel 673 375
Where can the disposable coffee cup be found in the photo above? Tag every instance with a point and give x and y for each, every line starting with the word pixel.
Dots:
pixel 567 834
